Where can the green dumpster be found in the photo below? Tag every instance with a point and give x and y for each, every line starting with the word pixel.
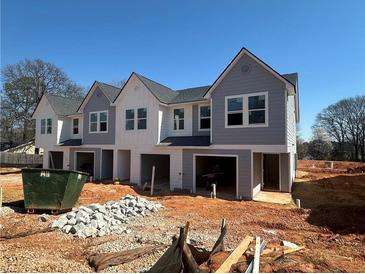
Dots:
pixel 53 189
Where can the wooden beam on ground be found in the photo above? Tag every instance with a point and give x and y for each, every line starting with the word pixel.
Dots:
pixel 104 260
pixel 256 260
pixel 250 266
pixel 235 255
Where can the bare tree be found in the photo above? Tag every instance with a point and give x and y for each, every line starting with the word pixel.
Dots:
pixel 344 123
pixel 24 83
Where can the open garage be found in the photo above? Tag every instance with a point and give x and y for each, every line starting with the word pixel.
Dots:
pixel 85 162
pixel 162 169
pixel 219 170
pixel 56 160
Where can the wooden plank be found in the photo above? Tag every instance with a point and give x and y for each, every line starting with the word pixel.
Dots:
pixel 250 266
pixel 256 260
pixel 153 179
pixel 235 255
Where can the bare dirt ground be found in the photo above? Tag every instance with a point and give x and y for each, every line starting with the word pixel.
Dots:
pixel 331 226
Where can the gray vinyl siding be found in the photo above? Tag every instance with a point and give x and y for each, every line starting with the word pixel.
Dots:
pixel 99 102
pixel 244 168
pixel 284 172
pixel 196 131
pixel 97 156
pixel 236 83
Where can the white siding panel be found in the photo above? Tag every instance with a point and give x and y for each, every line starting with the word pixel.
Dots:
pixel 291 124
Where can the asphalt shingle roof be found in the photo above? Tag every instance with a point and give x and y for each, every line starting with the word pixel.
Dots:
pixel 161 92
pixel 169 96
pixel 291 77
pixel 190 94
pixel 187 141
pixel 63 105
pixel 110 91
pixel 71 142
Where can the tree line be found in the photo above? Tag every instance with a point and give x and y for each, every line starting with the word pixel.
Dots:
pixel 23 85
pixel 338 132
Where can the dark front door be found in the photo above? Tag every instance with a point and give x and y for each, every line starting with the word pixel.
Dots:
pixel 271 172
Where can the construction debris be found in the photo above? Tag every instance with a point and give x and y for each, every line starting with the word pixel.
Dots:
pixel 25 234
pixel 288 244
pixel 99 220
pixel 183 257
pixel 104 260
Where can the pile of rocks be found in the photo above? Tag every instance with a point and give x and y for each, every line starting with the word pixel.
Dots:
pixel 109 218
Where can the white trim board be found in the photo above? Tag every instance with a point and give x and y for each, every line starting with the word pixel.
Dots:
pixel 215 155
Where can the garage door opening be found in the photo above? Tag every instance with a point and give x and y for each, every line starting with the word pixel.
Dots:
pixel 107 164
pixel 162 170
pixel 123 164
pixel 219 170
pixel 85 162
pixel 56 160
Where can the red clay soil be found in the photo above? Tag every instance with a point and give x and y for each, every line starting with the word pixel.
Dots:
pixel 330 247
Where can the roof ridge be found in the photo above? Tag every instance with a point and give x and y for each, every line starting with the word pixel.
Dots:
pixel 63 97
pixel 154 81
pixel 107 84
pixel 182 90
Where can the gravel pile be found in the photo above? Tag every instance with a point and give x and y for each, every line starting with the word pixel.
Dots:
pixel 5 210
pixel 110 218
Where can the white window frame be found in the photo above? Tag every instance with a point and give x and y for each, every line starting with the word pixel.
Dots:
pixel 245 112
pixel 125 119
pixel 178 124
pixel 98 121
pixel 78 126
pixel 226 98
pixel 137 118
pixel 199 118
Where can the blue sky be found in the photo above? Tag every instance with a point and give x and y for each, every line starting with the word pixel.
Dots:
pixel 188 43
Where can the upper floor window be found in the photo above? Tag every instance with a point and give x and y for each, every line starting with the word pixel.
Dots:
pixel 98 121
pixel 247 110
pixel 75 126
pixel 234 111
pixel 142 118
pixel 43 126
pixel 179 119
pixel 46 126
pixel 129 119
pixel 204 117
pixel 256 109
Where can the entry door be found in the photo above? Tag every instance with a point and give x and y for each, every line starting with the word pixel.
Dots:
pixel 271 172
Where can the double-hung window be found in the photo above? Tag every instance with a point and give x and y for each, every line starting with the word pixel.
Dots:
pixel 75 126
pixel 43 126
pixel 98 121
pixel 204 118
pixel 129 119
pixel 247 110
pixel 46 126
pixel 179 119
pixel 256 109
pixel 234 111
pixel 142 118
pixel 49 126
